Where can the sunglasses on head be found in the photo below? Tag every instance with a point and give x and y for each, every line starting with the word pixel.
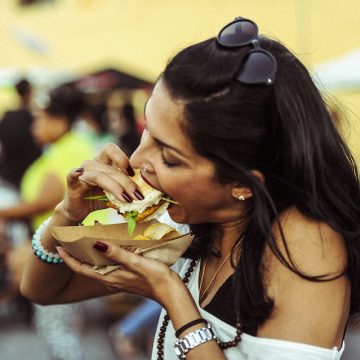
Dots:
pixel 259 65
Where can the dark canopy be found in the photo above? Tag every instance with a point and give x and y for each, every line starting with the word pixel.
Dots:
pixel 110 79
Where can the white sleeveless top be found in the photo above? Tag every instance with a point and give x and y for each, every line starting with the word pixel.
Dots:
pixel 250 347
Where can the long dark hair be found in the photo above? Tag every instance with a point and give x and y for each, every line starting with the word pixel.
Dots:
pixel 284 131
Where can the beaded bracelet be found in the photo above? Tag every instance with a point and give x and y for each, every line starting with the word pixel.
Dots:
pixel 38 249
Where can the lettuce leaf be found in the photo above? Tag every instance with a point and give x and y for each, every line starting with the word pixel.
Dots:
pixel 131 221
pixel 129 217
pixel 97 197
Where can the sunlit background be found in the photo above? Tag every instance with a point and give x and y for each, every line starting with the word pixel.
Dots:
pixel 123 45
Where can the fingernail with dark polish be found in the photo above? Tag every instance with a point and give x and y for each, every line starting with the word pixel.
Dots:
pixel 79 170
pixel 127 197
pixel 100 246
pixel 138 194
pixel 130 171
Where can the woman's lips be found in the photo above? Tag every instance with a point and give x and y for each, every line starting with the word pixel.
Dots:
pixel 145 179
pixel 148 182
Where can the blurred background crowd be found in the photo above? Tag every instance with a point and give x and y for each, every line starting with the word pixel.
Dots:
pixel 75 75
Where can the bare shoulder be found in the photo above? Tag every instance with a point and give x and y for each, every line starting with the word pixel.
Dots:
pixel 314 247
pixel 306 311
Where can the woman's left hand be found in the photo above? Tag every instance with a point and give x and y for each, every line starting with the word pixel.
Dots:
pixel 137 275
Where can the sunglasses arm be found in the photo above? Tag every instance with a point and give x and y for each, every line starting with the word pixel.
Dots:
pixel 255 43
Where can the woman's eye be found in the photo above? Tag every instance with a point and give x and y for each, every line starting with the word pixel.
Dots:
pixel 165 162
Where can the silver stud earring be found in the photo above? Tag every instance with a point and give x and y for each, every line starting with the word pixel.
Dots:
pixel 144 168
pixel 241 197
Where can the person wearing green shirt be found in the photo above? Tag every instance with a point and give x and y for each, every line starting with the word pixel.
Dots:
pixel 42 188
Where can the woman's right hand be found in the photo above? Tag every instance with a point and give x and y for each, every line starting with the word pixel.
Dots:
pixel 109 170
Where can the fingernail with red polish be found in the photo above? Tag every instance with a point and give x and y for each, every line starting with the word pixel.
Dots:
pixel 127 197
pixel 79 170
pixel 130 171
pixel 100 246
pixel 138 194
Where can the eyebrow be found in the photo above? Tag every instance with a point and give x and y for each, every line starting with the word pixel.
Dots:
pixel 160 142
pixel 169 146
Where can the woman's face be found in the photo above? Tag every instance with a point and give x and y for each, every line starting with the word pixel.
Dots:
pixel 174 167
pixel 46 129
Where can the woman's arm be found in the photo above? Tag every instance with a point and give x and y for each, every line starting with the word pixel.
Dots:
pixel 51 193
pixel 75 281
pixel 45 283
pixel 55 284
pixel 152 279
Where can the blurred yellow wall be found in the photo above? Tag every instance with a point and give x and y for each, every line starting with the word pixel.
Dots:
pixel 139 36
pixel 142 34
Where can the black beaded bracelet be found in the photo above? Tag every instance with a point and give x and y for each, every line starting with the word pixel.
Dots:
pixel 188 325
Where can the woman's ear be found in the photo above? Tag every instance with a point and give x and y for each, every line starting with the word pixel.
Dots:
pixel 259 175
pixel 242 192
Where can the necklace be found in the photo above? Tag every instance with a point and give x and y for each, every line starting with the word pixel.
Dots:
pixel 165 322
pixel 202 295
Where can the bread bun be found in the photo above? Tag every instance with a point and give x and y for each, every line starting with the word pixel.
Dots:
pixel 151 206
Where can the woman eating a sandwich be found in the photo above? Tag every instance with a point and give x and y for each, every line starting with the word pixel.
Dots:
pixel 240 138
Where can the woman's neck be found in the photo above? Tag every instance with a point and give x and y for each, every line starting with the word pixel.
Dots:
pixel 60 135
pixel 226 235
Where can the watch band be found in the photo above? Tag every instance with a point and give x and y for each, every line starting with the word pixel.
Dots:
pixel 189 341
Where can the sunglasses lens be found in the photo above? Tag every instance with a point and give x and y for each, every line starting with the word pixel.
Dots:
pixel 238 33
pixel 259 67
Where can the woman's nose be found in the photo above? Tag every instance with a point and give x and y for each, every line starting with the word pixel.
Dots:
pixel 141 158
pixel 135 159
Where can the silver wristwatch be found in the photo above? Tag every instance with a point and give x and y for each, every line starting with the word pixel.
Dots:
pixel 189 341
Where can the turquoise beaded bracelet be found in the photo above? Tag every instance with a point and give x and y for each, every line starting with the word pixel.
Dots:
pixel 44 255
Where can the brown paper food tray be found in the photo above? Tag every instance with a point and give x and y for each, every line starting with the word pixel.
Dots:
pixel 79 241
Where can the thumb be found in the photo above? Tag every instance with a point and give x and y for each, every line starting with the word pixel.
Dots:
pixel 73 176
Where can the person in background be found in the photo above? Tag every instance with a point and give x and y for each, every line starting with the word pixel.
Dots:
pixel 43 184
pixel 42 188
pixel 17 147
pixel 239 136
pixel 123 124
pixel 13 235
pixel 17 151
pixel 94 125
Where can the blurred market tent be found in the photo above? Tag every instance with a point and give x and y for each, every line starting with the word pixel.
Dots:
pixel 89 41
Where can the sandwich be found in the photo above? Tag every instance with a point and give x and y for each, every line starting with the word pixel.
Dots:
pixel 152 206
